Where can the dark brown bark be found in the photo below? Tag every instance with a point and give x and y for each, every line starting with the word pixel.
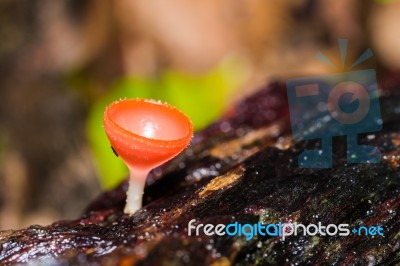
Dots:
pixel 242 168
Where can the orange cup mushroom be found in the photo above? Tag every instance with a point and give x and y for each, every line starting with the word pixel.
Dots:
pixel 145 134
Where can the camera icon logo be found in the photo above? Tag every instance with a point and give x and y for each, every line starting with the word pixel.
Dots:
pixel 341 104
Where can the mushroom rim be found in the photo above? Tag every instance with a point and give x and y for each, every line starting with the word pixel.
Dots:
pixel 188 124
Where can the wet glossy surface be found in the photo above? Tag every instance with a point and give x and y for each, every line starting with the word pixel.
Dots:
pixel 242 168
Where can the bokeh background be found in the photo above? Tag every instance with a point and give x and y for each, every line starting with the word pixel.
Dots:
pixel 62 62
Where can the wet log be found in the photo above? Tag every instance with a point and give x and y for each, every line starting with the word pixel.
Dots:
pixel 242 168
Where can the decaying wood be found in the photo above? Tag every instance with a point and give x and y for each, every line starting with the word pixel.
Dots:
pixel 242 168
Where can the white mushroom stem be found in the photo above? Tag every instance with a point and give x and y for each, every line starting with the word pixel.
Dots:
pixel 137 181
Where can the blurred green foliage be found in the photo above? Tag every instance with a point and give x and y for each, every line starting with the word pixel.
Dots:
pixel 201 97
